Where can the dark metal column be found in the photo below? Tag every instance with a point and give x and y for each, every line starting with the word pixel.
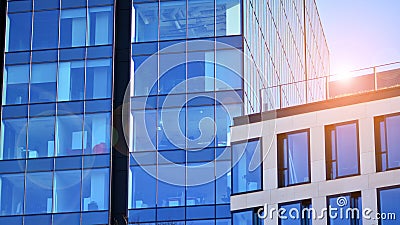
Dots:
pixel 3 10
pixel 121 74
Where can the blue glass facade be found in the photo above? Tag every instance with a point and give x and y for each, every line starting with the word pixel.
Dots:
pixel 56 112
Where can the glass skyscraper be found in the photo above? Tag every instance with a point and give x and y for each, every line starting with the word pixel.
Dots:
pixel 117 112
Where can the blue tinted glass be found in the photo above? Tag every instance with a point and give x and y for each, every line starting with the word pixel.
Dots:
pixel 171 214
pixel 172 73
pixel 174 156
pixel 388 204
pixel 144 130
pixel 72 54
pixel 172 20
pixel 228 17
pixel 393 141
pixel 99 52
pixel 223 222
pixel 247 168
pixel 45 30
pixel 347 149
pixel 67 186
pixel 71 80
pixel 143 158
pixel 144 48
pixel 73 3
pixel 44 56
pixel 43 82
pixel 142 216
pixel 145 21
pixel 142 196
pixel 288 219
pixel 41 137
pixel 200 127
pixel 15 111
pixel 229 69
pixel 201 222
pixel 93 218
pixel 171 193
pixel 18 26
pixel 13 166
pixel 224 116
pixel 223 211
pixel 96 161
pixel 19 6
pixel 16 79
pixel 17 58
pixel 346 218
pixel 145 75
pixel 69 108
pixel 13 138
pixel 73 28
pixel 11 220
pixel 100 2
pixel 95 189
pixel 97 106
pixel 200 188
pixel 63 163
pixel 12 194
pixel 39 198
pixel 98 79
pixel 243 218
pixel 223 187
pixel 34 220
pixel 69 218
pixel 97 127
pixel 70 138
pixel 201 71
pixel 200 18
pixel 171 128
pixel 40 164
pixel 201 155
pixel 100 26
pixel 46 4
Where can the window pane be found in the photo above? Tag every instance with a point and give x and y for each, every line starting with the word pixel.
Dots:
pixel 393 141
pixel 223 176
pixel 200 127
pixel 353 202
pixel 229 69
pixel 200 189
pixel 145 75
pixel 224 116
pixel 142 196
pixel 95 189
pixel 39 193
pixel 41 137
pixel 16 80
pixel 12 194
pixel 67 189
pixel 71 80
pixel 171 128
pixel 228 17
pixel 13 138
pixel 98 79
pixel 389 204
pixel 172 20
pixel 70 139
pixel 18 29
pixel 347 149
pixel 72 28
pixel 43 82
pixel 100 26
pixel 201 71
pixel 145 22
pixel 171 193
pixel 200 18
pixel 45 30
pixel 247 168
pixel 243 218
pixel 144 130
pixel 172 73
pixel 97 127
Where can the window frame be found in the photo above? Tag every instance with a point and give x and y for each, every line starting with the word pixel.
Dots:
pixel 378 198
pixel 303 204
pixel 352 196
pixel 280 138
pixel 328 150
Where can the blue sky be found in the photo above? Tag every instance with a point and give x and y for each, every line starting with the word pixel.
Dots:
pixel 361 33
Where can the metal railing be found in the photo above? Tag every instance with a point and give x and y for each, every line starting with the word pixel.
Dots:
pixel 330 86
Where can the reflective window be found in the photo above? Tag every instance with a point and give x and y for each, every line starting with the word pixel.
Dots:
pixel 224 117
pixel 200 71
pixel 16 79
pixel 17 28
pixel 39 198
pixel 145 75
pixel 72 3
pixel 12 194
pixel 172 20
pixel 144 130
pixel 100 26
pixel 223 182
pixel 13 138
pixel 171 193
pixel 95 189
pixel 98 79
pixel 70 137
pixel 228 17
pixel 200 127
pixel 41 137
pixel 145 22
pixel 229 69
pixel 45 30
pixel 247 217
pixel 43 82
pixel 142 196
pixel 246 158
pixel 171 128
pixel 387 142
pixel 349 216
pixel 388 204
pixel 200 189
pixel 73 28
pixel 342 150
pixel 172 73
pixel 67 186
pixel 97 128
pixel 293 158
pixel 290 217
pixel 71 81
pixel 200 18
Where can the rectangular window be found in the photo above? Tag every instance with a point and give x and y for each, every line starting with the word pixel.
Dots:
pixel 142 196
pixel 145 75
pixel 145 22
pixel 41 137
pixel 39 189
pixel 71 80
pixel 346 209
pixel 15 87
pixel 228 17
pixel 201 18
pixel 98 79
pixel 171 193
pixel 388 205
pixel 70 137
pixel 11 194
pixel 13 138
pixel 342 150
pixel 293 158
pixel 43 82
pixel 387 142
pixel 45 30
pixel 200 189
pixel 296 213
pixel 67 186
pixel 73 28
pixel 144 130
pixel 246 217
pixel 95 189
pixel 18 31
pixel 100 26
pixel 97 127
pixel 247 166
pixel 172 20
